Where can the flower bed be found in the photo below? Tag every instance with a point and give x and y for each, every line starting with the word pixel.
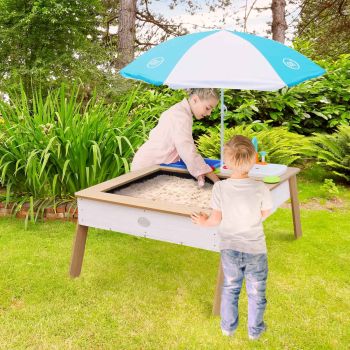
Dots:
pixel 61 212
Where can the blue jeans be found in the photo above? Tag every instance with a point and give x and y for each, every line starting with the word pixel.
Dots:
pixel 237 265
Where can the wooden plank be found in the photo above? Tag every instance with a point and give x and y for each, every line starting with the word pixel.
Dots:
pixel 147 223
pixel 295 206
pixel 161 206
pixel 78 250
pixel 218 287
pixel 289 173
pixel 139 174
pixel 124 218
pixel 118 181
pixel 279 194
pixel 98 192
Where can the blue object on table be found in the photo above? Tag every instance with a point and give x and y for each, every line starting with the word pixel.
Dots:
pixel 181 165
pixel 255 143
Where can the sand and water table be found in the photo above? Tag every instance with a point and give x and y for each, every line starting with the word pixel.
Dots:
pixel 156 203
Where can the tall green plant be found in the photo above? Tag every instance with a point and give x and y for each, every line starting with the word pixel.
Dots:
pixel 56 146
pixel 316 105
pixel 333 151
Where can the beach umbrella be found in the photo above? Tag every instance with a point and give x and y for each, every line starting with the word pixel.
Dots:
pixel 222 59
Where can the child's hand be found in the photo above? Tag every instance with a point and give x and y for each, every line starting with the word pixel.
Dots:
pixel 201 181
pixel 199 218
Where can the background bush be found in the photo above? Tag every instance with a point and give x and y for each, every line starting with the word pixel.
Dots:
pixel 333 151
pixel 55 146
pixel 281 145
pixel 318 105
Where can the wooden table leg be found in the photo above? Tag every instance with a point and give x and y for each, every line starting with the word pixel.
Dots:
pixel 78 250
pixel 293 189
pixel 217 297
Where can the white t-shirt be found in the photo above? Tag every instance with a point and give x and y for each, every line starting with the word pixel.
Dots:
pixel 241 202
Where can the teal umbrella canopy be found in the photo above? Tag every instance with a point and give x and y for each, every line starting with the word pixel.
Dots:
pixel 222 59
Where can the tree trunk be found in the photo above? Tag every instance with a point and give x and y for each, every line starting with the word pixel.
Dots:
pixel 126 32
pixel 279 24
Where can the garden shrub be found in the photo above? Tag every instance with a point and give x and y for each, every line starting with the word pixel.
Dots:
pixel 329 189
pixel 317 105
pixel 333 151
pixel 55 146
pixel 282 146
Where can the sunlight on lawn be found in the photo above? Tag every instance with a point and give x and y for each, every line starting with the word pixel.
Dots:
pixel 137 293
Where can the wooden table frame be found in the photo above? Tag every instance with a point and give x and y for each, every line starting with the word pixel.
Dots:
pixel 99 193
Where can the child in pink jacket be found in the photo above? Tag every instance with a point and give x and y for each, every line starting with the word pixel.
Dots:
pixel 172 138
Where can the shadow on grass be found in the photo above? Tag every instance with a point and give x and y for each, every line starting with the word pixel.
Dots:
pixel 282 236
pixel 206 308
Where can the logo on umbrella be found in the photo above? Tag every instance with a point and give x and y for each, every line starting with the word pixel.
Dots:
pixel 155 62
pixel 288 62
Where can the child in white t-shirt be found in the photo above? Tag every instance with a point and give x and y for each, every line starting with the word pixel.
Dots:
pixel 239 205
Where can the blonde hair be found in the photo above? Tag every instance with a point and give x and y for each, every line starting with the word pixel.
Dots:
pixel 239 154
pixel 204 94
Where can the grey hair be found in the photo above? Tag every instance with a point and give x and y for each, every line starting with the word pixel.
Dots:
pixel 204 94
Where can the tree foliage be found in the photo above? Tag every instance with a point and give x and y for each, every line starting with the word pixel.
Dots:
pixel 333 151
pixel 49 41
pixel 326 24
pixel 317 105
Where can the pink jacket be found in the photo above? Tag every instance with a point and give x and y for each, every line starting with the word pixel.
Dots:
pixel 171 140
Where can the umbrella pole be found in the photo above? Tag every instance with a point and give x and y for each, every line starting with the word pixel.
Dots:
pixel 222 131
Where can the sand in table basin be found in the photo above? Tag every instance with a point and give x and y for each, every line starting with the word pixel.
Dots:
pixel 171 189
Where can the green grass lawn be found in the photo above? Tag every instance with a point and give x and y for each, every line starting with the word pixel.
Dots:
pixel 310 181
pixel 136 293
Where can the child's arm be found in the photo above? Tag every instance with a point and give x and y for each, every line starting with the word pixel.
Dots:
pixel 201 180
pixel 203 219
pixel 265 214
pixel 185 146
pixel 212 176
